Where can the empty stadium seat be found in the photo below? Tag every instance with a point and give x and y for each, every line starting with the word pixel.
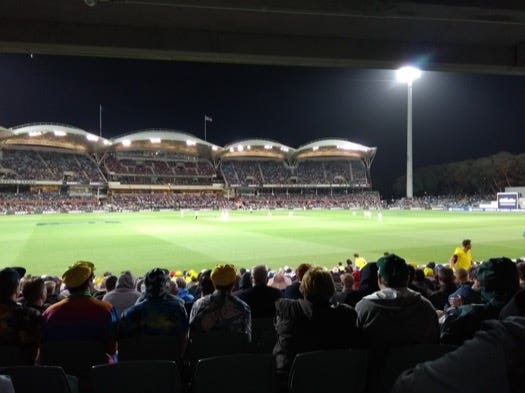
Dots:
pixel 239 373
pixel 38 379
pixel 339 370
pixel 156 376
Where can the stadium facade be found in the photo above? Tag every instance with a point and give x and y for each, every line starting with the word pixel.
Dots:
pixel 48 157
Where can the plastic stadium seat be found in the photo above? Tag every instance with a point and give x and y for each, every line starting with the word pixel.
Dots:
pixel 159 347
pixel 238 373
pixel 156 376
pixel 11 355
pixel 75 357
pixel 264 335
pixel 400 359
pixel 38 379
pixel 216 343
pixel 338 370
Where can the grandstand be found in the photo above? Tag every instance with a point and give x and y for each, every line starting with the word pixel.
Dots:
pixel 163 168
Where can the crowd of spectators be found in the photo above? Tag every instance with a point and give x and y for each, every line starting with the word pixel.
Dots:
pixel 440 202
pixel 261 172
pixel 142 170
pixel 385 304
pixel 57 202
pixel 51 166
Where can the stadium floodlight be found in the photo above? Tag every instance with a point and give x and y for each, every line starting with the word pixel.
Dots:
pixel 268 147
pixel 315 148
pixel 92 138
pixel 214 148
pixel 155 140
pixel 190 142
pixel 35 133
pixel 408 75
pixel 59 133
pixel 126 142
pixel 107 143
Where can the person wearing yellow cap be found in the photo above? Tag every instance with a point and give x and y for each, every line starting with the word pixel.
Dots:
pixel 81 316
pixel 221 310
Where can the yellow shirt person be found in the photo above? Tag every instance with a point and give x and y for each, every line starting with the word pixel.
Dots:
pixel 360 262
pixel 462 257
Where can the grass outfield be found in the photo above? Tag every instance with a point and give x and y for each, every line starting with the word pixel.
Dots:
pixel 140 241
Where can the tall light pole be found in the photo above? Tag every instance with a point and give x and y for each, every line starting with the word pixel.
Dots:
pixel 408 75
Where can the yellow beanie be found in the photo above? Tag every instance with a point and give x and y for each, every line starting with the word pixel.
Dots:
pixel 223 275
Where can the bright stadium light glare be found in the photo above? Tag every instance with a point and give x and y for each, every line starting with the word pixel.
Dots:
pixel 126 142
pixel 240 148
pixel 92 138
pixel 155 140
pixel 315 148
pixel 107 143
pixel 231 149
pixel 59 133
pixel 408 74
pixel 35 133
pixel 189 142
pixel 268 147
pixel 214 148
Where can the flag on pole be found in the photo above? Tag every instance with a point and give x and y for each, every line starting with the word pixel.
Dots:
pixel 207 118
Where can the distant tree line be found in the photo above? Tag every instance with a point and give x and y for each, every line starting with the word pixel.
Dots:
pixel 486 175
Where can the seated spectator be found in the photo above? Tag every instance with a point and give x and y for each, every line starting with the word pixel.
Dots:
pixel 19 325
pixel 395 315
pixel 244 283
pixel 280 281
pixel 447 286
pixel 422 284
pixel 158 313
pixel 183 292
pixel 81 316
pixel 493 361
pixel 261 298
pixel 465 294
pixel 312 323
pixel 53 286
pixel 124 295
pixel 368 279
pixel 221 310
pixel 348 295
pixel 292 291
pixel 499 282
pixel 34 294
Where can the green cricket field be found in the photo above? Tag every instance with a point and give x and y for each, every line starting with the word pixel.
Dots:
pixel 48 244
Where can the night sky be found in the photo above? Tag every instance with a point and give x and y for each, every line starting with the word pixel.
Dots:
pixel 456 116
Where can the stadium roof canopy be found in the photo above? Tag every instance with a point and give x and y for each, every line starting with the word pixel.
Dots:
pixel 54 135
pixel 334 148
pixel 4 133
pixel 262 148
pixel 165 140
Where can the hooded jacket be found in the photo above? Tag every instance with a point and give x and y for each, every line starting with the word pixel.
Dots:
pixel 124 295
pixel 499 282
pixel 493 361
pixel 394 317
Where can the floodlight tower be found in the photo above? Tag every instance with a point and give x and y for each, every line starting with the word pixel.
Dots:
pixel 408 75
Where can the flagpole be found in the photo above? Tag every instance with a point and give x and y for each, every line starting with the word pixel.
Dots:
pixel 205 128
pixel 100 120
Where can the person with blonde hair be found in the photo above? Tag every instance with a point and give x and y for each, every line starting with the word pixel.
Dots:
pixel 312 323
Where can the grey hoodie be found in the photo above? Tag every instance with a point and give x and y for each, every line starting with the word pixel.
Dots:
pixel 394 317
pixel 124 295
